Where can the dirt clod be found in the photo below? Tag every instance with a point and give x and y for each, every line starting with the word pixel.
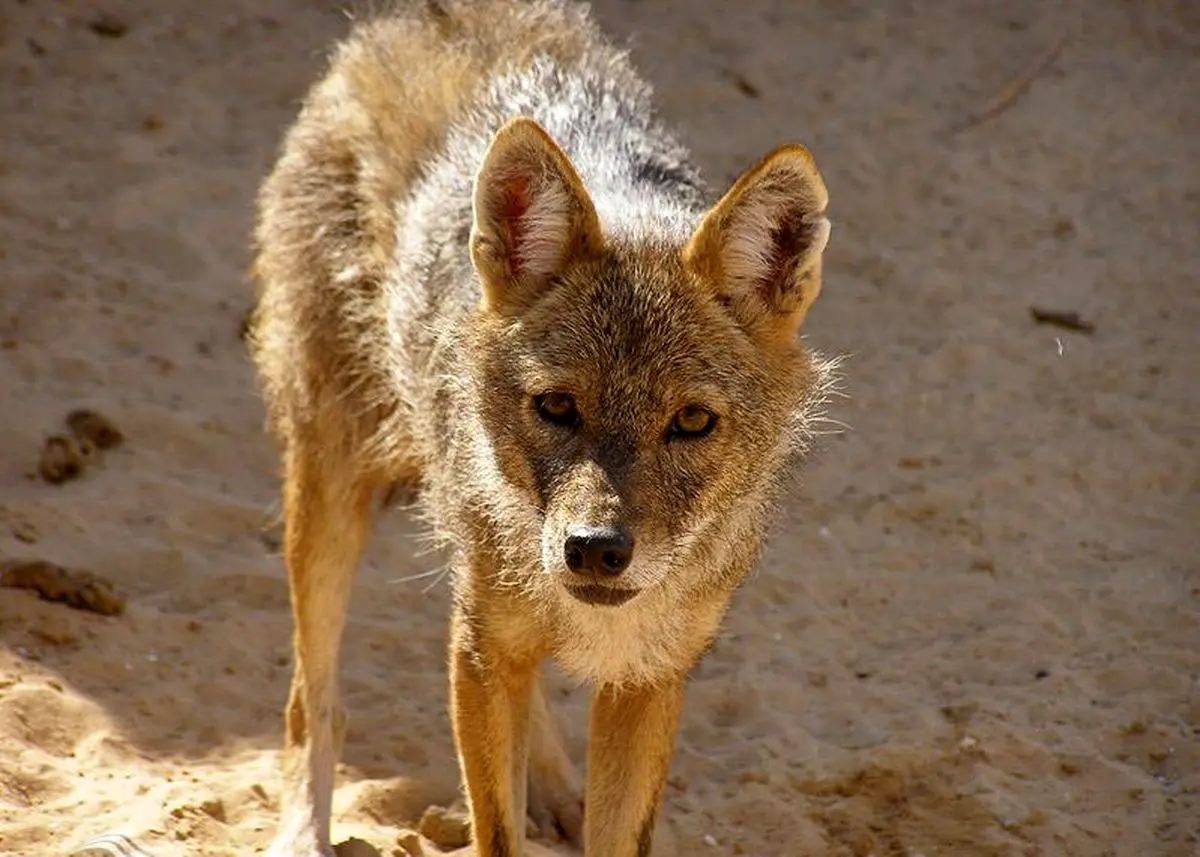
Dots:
pixel 742 84
pixel 215 809
pixel 355 847
pixel 445 828
pixel 108 26
pixel 63 459
pixel 23 531
pixel 96 429
pixel 409 845
pixel 82 590
pixel 1065 319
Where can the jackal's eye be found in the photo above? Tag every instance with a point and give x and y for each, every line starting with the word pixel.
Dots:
pixel 692 421
pixel 557 408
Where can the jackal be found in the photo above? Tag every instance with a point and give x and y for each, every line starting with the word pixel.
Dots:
pixel 488 272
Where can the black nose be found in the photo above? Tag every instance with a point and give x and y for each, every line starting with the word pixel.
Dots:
pixel 602 551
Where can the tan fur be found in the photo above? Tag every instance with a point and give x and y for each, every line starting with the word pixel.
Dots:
pixel 432 266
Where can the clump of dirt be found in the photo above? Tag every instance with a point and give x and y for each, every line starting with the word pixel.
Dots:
pixel 94 428
pixel 108 26
pixel 62 459
pixel 355 847
pixel 446 828
pixel 66 457
pixel 76 588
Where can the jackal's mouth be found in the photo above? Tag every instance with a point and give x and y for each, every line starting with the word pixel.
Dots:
pixel 603 596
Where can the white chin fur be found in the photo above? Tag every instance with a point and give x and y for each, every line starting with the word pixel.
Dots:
pixel 638 642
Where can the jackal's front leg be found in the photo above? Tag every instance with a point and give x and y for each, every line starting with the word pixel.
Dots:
pixel 490 708
pixel 629 751
pixel 326 516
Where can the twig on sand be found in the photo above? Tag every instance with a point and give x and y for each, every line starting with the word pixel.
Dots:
pixel 1065 319
pixel 110 845
pixel 1012 91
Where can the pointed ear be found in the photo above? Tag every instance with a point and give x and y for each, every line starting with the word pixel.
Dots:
pixel 760 245
pixel 532 215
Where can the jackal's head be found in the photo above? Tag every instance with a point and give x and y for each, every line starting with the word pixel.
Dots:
pixel 641 389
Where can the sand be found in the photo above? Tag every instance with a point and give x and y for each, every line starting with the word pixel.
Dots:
pixel 976 631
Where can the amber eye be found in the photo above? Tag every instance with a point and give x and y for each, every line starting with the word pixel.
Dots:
pixel 557 408
pixel 692 422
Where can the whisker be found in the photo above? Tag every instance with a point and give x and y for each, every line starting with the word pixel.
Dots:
pixel 421 576
pixel 445 570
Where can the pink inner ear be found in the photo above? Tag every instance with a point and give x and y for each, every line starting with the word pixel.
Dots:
pixel 787 249
pixel 515 200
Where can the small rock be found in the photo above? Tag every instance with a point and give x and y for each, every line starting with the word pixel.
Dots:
pixel 214 809
pixel 409 844
pixel 743 85
pixel 23 531
pixel 75 588
pixel 108 26
pixel 445 828
pixel 94 428
pixel 61 460
pixel 1063 227
pixel 355 847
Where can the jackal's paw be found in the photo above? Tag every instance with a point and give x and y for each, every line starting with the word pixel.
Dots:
pixel 556 814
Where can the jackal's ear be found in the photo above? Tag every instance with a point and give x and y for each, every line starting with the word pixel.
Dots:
pixel 760 246
pixel 532 215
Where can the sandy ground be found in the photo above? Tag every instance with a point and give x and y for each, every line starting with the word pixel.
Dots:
pixel 977 632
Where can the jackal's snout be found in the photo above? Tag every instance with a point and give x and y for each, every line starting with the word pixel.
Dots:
pixel 589 539
pixel 598 552
pixel 595 558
